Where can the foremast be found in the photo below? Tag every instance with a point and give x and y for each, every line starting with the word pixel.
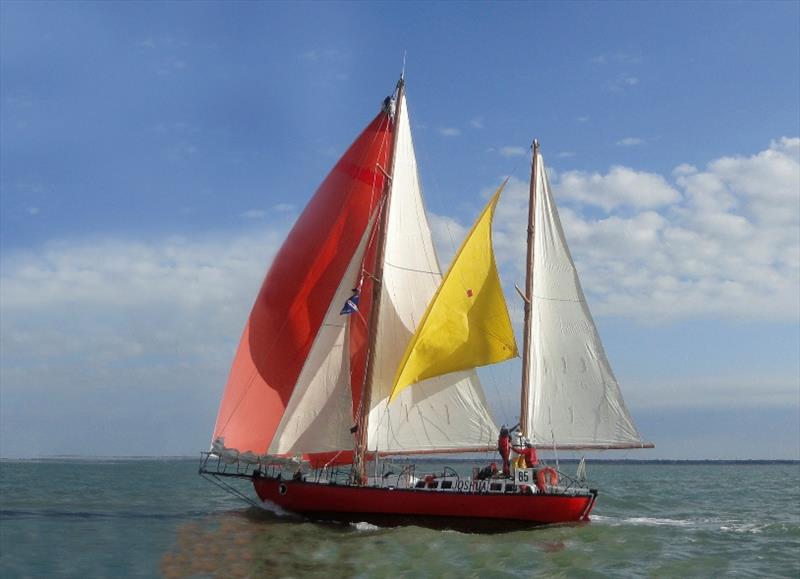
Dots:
pixel 528 297
pixel 358 473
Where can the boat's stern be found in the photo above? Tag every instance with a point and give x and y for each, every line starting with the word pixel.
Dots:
pixel 590 505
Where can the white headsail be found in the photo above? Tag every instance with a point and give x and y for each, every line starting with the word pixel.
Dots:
pixel 439 414
pixel 319 413
pixel 575 400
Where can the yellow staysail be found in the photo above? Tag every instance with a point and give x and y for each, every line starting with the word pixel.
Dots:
pixel 467 323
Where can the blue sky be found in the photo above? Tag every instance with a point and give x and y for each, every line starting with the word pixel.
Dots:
pixel 153 155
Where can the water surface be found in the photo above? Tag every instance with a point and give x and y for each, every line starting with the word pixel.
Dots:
pixel 149 518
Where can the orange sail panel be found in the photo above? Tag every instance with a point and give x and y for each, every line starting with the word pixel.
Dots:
pixel 298 291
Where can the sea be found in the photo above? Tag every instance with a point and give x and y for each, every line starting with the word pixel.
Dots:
pixel 158 518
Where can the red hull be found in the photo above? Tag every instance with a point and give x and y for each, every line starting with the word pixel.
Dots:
pixel 333 500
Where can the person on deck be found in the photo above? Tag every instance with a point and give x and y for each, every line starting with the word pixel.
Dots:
pixel 529 453
pixel 504 448
pixel 487 472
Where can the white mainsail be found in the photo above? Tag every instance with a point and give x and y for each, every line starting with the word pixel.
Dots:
pixel 439 414
pixel 575 400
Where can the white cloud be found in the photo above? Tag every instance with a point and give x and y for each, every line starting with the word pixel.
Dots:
pixel 622 81
pixel 621 186
pixel 99 321
pixel 115 321
pixel 513 151
pixel 476 123
pixel 173 272
pixel 565 155
pixel 30 187
pixel 253 214
pixel 170 65
pixel 113 324
pixel 447 235
pixel 630 142
pixel 449 131
pixel 722 242
pixel 713 392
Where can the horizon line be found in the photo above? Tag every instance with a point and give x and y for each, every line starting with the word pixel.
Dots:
pixel 77 457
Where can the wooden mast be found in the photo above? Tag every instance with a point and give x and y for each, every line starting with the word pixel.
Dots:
pixel 358 473
pixel 528 297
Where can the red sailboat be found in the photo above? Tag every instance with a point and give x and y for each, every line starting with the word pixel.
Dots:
pixel 356 350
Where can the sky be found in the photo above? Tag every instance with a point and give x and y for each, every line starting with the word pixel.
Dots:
pixel 154 155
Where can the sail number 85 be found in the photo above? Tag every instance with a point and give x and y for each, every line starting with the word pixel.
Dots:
pixel 524 476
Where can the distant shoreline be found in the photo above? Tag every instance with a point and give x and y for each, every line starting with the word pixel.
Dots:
pixel 427 459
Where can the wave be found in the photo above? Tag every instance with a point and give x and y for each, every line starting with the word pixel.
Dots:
pixel 646 521
pixel 364 526
pixel 756 528
pixel 275 509
pixel 708 524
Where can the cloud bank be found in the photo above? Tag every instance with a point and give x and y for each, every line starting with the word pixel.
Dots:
pixel 721 242
pixel 114 346
pixel 132 336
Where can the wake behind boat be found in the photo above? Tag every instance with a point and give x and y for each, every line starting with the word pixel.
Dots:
pixel 357 350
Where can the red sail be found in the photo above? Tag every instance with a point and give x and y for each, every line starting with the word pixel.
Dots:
pixel 298 290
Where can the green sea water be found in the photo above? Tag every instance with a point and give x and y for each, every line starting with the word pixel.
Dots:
pixel 151 518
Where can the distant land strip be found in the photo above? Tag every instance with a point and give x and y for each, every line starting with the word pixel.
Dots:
pixel 426 459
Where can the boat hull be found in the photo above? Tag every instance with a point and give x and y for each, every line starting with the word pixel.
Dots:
pixel 345 502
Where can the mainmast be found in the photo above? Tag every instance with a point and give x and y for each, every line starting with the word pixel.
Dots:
pixel 528 297
pixel 358 473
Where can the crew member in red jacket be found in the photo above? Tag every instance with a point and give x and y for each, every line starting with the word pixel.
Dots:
pixel 504 448
pixel 529 453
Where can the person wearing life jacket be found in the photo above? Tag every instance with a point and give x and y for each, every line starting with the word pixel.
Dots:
pixel 528 452
pixel 504 448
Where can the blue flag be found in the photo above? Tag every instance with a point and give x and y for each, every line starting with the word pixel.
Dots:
pixel 351 305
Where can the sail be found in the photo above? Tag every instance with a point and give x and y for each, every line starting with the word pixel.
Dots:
pixel 289 357
pixel 466 324
pixel 575 400
pixel 318 417
pixel 446 413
